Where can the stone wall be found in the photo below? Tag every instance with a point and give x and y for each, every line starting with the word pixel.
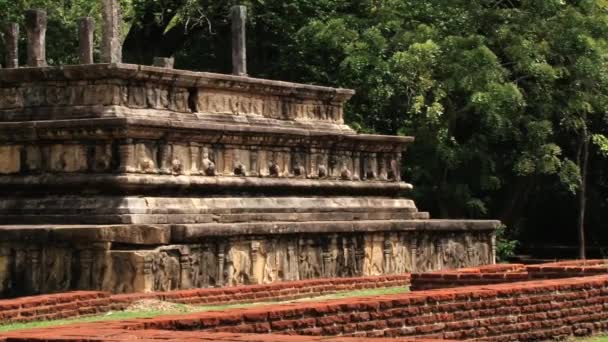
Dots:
pixel 238 260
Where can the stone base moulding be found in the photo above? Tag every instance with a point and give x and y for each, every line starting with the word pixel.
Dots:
pixel 144 258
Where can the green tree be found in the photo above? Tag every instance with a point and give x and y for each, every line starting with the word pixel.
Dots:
pixel 507 99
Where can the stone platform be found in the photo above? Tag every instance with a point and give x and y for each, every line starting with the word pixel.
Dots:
pixel 129 178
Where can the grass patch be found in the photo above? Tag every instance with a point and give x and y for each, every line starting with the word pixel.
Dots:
pixel 182 309
pixel 591 339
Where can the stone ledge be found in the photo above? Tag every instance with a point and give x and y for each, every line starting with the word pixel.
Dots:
pixel 213 130
pixel 189 233
pixel 192 232
pixel 143 182
pixel 130 234
pixel 174 77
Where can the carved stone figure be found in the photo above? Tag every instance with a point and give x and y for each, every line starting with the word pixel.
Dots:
pixel 238 266
pixel 166 270
pixel 310 263
pixel 454 252
pixel 207 165
pixel 176 166
pixel 240 169
pixel 322 171
pixel 299 170
pixel 345 173
pixel 393 171
pixel 273 169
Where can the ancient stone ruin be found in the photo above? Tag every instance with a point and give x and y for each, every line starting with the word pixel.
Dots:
pixel 132 178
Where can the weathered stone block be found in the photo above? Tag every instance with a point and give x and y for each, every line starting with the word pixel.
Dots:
pixel 10 159
pixel 68 158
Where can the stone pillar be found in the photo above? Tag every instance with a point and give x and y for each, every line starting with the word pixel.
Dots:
pixel 126 151
pixel 253 163
pixel 221 259
pixel 163 62
pixel 493 248
pixel 5 270
pixel 414 253
pixel 326 255
pixel 147 277
pixel 166 153
pixel 86 39
pixel 254 253
pixel 185 271
pixel 11 40
pixel 35 24
pixel 356 165
pixel 239 48
pixel 382 172
pixel 439 253
pixel 195 159
pixel 387 251
pixel 292 256
pixel 86 263
pixel 359 255
pixel 33 276
pixel 111 43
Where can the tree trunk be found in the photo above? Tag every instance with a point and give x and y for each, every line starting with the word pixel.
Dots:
pixel 582 195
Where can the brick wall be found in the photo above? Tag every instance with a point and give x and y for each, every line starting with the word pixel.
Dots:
pixel 75 304
pixel 98 334
pixel 525 311
pixel 54 306
pixel 566 269
pixel 484 275
pixel 507 273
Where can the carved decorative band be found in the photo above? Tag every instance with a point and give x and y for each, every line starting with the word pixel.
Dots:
pixel 161 157
pixel 163 97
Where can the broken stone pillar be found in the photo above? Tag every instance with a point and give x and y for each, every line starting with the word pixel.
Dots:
pixel 11 41
pixel 111 44
pixel 35 24
pixel 86 36
pixel 163 62
pixel 239 48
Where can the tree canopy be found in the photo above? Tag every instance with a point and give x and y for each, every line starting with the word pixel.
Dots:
pixel 508 99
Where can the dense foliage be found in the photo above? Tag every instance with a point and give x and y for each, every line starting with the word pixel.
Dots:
pixel 507 99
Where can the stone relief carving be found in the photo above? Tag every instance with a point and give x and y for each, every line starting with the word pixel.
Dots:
pixel 11 98
pixel 400 256
pixel 370 166
pixel 309 260
pixel 374 248
pixel 238 261
pixel 425 253
pixel 165 267
pixel 238 265
pixel 162 157
pixel 68 158
pixel 207 165
pixel 455 253
pixel 55 269
pixel 102 159
pixel 299 168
